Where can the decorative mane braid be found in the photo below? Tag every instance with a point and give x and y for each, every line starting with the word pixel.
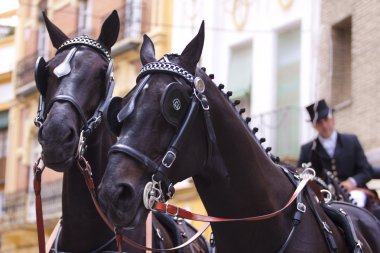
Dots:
pixel 227 95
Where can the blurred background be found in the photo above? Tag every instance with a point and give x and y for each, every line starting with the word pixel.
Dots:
pixel 277 56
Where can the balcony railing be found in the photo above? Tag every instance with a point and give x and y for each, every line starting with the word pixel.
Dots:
pixel 281 128
pixel 134 21
pixel 18 209
pixel 25 70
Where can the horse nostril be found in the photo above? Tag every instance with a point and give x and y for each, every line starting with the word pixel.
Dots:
pixel 125 192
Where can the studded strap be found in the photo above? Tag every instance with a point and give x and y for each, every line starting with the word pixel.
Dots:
pixel 168 67
pixel 85 40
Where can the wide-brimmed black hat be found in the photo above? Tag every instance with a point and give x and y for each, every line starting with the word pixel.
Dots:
pixel 318 110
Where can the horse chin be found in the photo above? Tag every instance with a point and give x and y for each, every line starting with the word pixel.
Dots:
pixel 59 166
pixel 130 224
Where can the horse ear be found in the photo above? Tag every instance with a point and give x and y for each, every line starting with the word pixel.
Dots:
pixel 110 114
pixel 57 37
pixel 110 30
pixel 192 53
pixel 147 52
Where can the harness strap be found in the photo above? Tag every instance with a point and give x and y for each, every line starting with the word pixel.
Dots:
pixel 182 213
pixel 328 235
pixel 85 168
pixel 39 214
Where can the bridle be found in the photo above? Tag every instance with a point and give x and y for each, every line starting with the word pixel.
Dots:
pixel 161 185
pixel 160 188
pixel 87 128
pixel 62 70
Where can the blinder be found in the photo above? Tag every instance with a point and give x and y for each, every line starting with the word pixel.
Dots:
pixel 110 114
pixel 41 75
pixel 178 107
pixel 174 103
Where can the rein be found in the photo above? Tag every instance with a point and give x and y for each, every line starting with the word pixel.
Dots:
pixel 306 176
pixel 85 168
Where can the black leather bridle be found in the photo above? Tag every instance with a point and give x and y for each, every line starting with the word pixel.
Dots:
pixel 90 124
pixel 161 185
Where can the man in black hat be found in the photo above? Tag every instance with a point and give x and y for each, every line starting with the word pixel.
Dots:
pixel 339 153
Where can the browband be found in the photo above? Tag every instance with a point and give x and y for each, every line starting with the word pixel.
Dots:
pixel 85 40
pixel 168 67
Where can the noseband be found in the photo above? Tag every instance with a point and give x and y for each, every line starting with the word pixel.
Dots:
pixel 161 188
pixel 63 69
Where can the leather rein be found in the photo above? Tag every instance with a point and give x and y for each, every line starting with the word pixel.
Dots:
pixel 153 201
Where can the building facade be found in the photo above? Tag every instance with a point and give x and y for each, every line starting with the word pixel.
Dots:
pixel 73 17
pixel 265 52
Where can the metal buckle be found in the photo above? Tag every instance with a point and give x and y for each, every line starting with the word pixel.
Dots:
pixel 152 194
pixel 326 227
pixel 301 207
pixel 166 210
pixel 81 145
pixel 170 162
pixel 328 197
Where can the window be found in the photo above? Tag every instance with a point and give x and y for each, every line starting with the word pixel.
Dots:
pixel 341 73
pixel 3 144
pixel 84 21
pixel 132 28
pixel 240 73
pixel 287 115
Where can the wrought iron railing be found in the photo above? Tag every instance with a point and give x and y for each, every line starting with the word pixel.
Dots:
pixel 18 208
pixel 282 127
pixel 134 21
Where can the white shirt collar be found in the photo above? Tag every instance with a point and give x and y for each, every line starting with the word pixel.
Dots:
pixel 329 143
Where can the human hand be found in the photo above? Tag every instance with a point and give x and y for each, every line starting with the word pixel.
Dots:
pixel 347 184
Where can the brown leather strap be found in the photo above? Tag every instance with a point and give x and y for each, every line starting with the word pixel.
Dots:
pixel 85 168
pixel 39 214
pixel 182 213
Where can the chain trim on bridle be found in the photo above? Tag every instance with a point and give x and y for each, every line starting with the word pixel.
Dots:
pixel 87 129
pixel 85 40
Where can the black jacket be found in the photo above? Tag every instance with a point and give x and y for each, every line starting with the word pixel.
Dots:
pixel 349 158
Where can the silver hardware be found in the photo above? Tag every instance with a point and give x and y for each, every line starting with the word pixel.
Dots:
pixel 85 40
pixel 168 165
pixel 64 68
pixel 301 207
pixel 308 174
pixel 199 84
pixel 81 145
pixel 328 196
pixel 359 245
pixel 146 195
pixel 167 67
pixel 37 121
pixel 342 211
pixel 158 232
pixel 152 194
pixel 176 104
pixel 166 210
pixel 326 227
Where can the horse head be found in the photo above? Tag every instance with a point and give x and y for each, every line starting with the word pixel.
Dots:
pixel 73 86
pixel 157 124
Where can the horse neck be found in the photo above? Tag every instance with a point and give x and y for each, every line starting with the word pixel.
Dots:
pixel 249 175
pixel 80 220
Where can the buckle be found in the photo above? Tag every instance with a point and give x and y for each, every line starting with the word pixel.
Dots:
pixel 168 159
pixel 326 227
pixel 301 207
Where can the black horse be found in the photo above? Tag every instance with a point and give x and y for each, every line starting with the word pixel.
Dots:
pixel 75 85
pixel 176 123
